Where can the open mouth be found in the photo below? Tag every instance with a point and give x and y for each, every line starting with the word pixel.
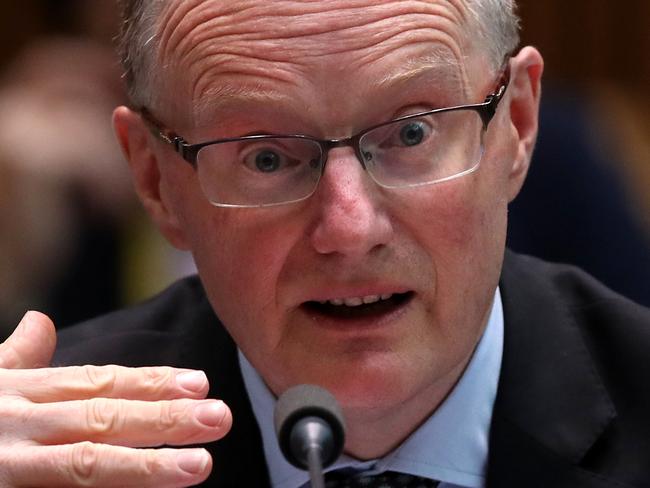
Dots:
pixel 359 307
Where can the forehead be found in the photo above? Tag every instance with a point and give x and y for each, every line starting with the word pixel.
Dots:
pixel 219 50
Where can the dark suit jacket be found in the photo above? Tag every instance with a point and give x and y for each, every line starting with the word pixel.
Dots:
pixel 574 393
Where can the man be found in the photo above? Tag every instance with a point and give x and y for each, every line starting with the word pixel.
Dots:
pixel 366 257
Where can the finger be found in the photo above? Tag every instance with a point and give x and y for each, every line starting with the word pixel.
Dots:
pixel 98 465
pixel 127 422
pixel 31 345
pixel 80 382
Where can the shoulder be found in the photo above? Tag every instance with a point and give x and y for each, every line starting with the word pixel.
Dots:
pixel 615 329
pixel 158 330
pixel 528 283
pixel 560 314
pixel 574 375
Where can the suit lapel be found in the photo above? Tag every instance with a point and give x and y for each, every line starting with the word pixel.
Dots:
pixel 551 405
pixel 238 459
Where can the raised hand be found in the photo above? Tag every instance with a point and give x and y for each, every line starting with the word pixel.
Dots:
pixel 96 425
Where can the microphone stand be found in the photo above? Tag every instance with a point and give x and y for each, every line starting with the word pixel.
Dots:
pixel 315 466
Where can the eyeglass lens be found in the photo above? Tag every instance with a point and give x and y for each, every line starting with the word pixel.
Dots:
pixel 410 152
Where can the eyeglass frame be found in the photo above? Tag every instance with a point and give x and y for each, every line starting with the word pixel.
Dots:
pixel 189 152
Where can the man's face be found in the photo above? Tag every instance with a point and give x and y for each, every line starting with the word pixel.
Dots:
pixel 277 276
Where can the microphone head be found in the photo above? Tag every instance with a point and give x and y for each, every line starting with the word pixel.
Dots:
pixel 304 402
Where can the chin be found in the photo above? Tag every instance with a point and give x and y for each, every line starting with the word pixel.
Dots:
pixel 369 386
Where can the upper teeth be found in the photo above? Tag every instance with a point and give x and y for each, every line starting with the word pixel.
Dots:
pixel 356 301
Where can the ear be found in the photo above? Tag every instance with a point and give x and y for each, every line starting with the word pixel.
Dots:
pixel 136 142
pixel 523 101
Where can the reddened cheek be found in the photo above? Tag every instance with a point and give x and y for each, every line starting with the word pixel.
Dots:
pixel 460 220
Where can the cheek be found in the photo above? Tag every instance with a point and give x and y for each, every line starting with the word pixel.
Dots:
pixel 240 254
pixel 459 218
pixel 461 225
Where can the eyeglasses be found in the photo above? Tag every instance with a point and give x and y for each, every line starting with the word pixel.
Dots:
pixel 269 169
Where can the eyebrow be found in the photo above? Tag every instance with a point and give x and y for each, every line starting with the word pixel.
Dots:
pixel 439 65
pixel 232 96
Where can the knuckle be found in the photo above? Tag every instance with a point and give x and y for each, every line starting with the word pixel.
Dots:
pixel 25 414
pixel 17 418
pixel 149 463
pixel 83 465
pixel 156 379
pixel 103 416
pixel 168 416
pixel 102 379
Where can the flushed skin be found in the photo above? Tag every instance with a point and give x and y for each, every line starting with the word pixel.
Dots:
pixel 329 69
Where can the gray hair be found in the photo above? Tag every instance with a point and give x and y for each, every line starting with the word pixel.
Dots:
pixel 497 27
pixel 137 46
pixel 495 21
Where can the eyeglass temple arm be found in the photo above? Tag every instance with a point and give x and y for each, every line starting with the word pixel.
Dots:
pixel 168 137
pixel 492 100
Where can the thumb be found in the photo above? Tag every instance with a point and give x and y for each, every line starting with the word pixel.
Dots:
pixel 31 345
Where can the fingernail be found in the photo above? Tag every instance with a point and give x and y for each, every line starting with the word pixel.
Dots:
pixel 26 321
pixel 193 461
pixel 194 381
pixel 210 414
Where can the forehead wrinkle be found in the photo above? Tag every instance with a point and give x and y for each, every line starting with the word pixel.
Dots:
pixel 182 40
pixel 440 64
pixel 259 56
pixel 241 33
pixel 340 25
pixel 175 30
pixel 346 16
pixel 252 73
pixel 170 30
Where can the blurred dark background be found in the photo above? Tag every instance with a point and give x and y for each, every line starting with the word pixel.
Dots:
pixel 74 241
pixel 587 197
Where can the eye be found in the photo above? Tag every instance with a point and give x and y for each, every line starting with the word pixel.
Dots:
pixel 268 160
pixel 412 133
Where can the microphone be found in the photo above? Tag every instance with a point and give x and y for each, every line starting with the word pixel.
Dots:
pixel 310 429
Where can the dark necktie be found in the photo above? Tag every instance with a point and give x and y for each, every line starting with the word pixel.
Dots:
pixel 389 479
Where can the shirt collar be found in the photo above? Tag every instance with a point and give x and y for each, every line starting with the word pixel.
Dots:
pixel 451 446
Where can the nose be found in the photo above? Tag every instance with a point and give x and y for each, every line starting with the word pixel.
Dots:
pixel 351 217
